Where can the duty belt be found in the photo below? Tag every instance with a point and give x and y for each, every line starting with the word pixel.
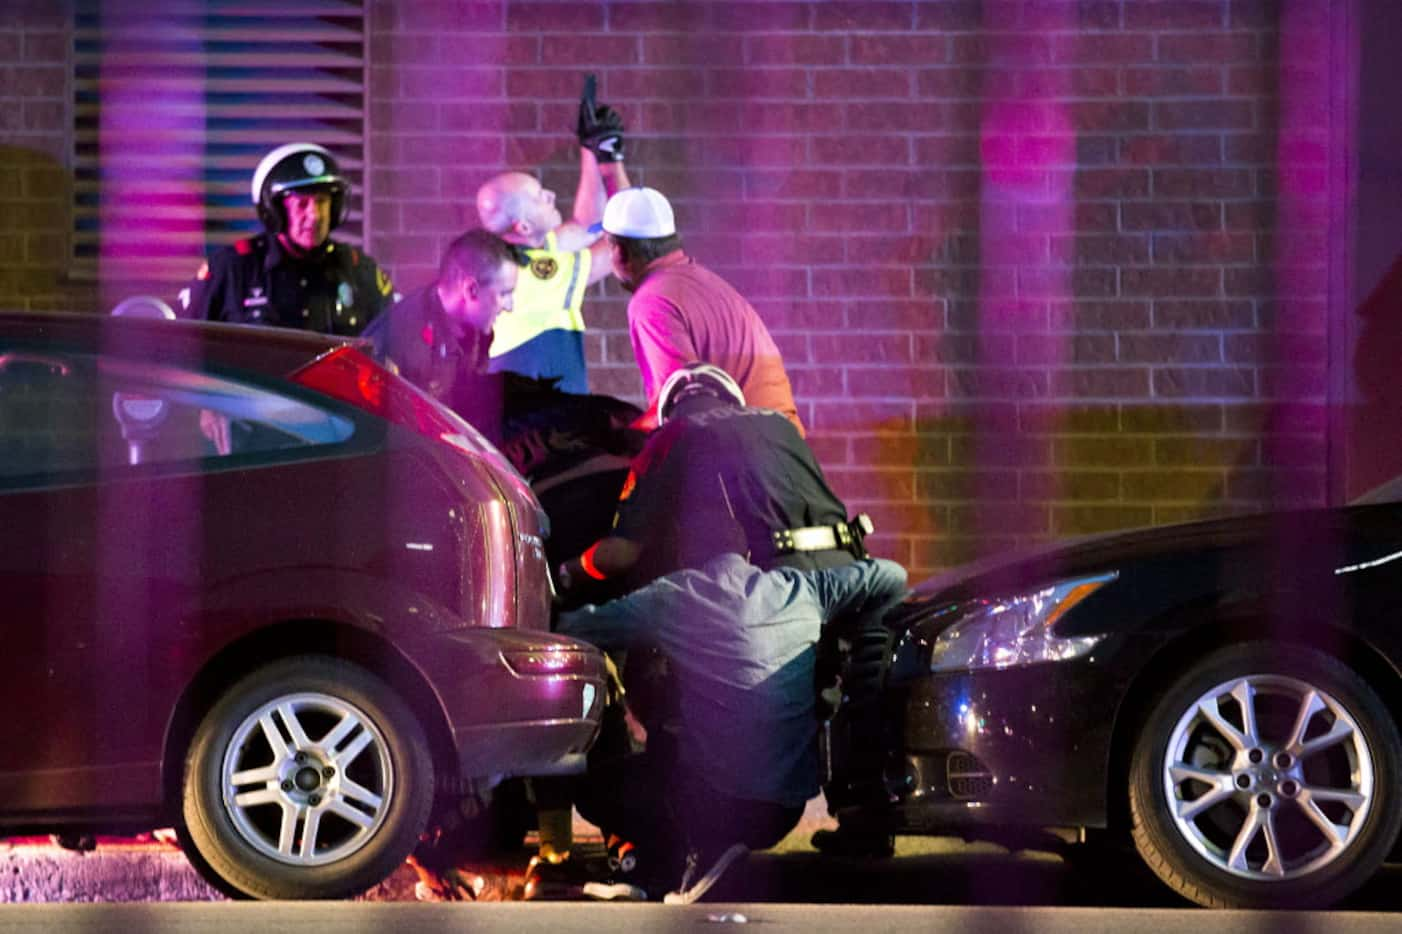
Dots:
pixel 840 536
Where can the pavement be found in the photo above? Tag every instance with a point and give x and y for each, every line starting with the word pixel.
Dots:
pixel 150 868
pixel 934 873
pixel 587 918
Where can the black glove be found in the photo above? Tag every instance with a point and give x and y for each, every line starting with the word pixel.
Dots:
pixel 600 129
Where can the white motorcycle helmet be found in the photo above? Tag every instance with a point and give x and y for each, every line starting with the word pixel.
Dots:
pixel 294 166
pixel 692 379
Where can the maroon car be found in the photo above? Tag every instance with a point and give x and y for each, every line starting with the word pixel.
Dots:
pixel 257 587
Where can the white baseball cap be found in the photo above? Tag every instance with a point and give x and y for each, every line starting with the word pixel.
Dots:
pixel 641 213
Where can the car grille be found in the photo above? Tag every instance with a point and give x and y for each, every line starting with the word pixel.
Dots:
pixel 966 776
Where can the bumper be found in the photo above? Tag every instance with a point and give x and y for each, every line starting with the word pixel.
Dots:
pixel 516 703
pixel 547 747
pixel 1017 747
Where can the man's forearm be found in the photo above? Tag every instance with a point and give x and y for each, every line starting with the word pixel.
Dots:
pixel 606 558
pixel 615 178
pixel 635 619
pixel 598 181
pixel 608 626
pixel 590 194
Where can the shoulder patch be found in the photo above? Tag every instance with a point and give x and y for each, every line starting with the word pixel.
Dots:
pixel 244 247
pixel 382 282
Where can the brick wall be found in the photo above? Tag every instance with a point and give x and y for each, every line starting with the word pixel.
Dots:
pixel 36 180
pixel 1038 268
pixel 1027 261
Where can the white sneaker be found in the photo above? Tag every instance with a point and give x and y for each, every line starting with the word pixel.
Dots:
pixel 614 892
pixel 687 894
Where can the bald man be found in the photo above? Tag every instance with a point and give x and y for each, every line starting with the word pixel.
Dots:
pixel 544 337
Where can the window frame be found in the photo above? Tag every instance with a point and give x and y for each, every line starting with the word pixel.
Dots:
pixel 367 432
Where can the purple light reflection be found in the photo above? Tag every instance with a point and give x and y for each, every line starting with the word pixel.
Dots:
pixel 1028 151
pixel 151 142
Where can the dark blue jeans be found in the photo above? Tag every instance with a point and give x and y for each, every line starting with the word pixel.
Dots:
pixel 667 811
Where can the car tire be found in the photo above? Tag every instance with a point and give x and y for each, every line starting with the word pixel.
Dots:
pixel 196 859
pixel 309 778
pixel 1266 777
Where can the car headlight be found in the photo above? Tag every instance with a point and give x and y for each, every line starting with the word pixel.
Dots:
pixel 1016 631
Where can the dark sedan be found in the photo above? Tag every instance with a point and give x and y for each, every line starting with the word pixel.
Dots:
pixel 259 588
pixel 1224 693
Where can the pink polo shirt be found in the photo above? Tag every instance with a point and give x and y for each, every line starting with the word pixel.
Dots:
pixel 681 313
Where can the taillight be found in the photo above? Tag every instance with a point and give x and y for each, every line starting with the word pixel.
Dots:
pixel 350 376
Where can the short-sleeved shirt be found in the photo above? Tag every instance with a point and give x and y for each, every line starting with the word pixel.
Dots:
pixel 720 478
pixel 543 337
pixel 334 289
pixel 681 313
pixel 417 337
pixel 741 644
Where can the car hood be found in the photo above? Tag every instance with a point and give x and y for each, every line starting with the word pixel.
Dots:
pixel 1350 529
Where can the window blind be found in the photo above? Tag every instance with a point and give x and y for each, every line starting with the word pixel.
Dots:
pixel 174 107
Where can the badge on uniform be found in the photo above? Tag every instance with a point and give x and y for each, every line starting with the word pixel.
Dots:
pixel 544 267
pixel 345 295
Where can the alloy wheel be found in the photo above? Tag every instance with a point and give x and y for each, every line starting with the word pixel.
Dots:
pixel 307 779
pixel 1268 777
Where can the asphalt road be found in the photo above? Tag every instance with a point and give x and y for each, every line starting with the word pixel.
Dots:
pixel 933 884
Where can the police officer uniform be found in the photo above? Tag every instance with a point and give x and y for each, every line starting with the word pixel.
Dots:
pixel 336 289
pixel 718 478
pixel 333 288
pixel 417 337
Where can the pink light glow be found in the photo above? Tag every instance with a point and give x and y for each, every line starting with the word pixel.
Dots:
pixel 152 146
pixel 1302 268
pixel 1028 149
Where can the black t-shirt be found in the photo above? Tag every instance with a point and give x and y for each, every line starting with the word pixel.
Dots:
pixel 720 478
pixel 576 451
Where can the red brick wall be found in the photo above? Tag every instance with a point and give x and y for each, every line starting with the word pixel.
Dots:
pixel 1024 260
pixel 1038 268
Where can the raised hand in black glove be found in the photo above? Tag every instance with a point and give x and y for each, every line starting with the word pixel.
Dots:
pixel 600 128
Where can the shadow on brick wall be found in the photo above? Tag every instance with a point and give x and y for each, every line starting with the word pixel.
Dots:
pixel 993 478
pixel 36 198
